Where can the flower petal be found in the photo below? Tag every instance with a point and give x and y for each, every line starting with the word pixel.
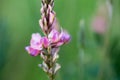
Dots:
pixel 31 51
pixel 64 37
pixel 45 42
pixel 36 42
pixel 54 36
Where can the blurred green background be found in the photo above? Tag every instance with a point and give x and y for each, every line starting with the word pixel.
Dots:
pixel 89 56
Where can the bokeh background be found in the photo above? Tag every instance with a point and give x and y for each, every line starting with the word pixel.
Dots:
pixel 92 54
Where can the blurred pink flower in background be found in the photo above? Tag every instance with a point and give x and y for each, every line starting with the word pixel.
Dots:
pixel 99 24
pixel 103 16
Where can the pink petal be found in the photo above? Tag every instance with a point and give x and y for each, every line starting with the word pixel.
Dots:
pixel 36 42
pixel 45 42
pixel 64 37
pixel 54 36
pixel 31 51
pixel 60 43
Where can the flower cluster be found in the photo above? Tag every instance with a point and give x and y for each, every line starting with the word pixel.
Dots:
pixel 47 46
pixel 55 39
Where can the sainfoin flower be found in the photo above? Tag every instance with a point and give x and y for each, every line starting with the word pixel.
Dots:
pixel 58 39
pixel 47 46
pixel 64 37
pixel 35 45
pixel 38 43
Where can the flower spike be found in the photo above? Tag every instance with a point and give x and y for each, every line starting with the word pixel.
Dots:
pixel 48 46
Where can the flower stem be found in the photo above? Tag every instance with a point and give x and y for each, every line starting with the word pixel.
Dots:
pixel 50 64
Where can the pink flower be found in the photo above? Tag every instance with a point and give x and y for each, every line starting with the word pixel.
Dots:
pixel 36 41
pixel 58 39
pixel 45 42
pixel 99 24
pixel 32 51
pixel 55 39
pixel 64 37
pixel 35 45
pixel 54 36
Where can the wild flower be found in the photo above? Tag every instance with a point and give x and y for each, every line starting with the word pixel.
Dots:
pixel 47 46
pixel 103 18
